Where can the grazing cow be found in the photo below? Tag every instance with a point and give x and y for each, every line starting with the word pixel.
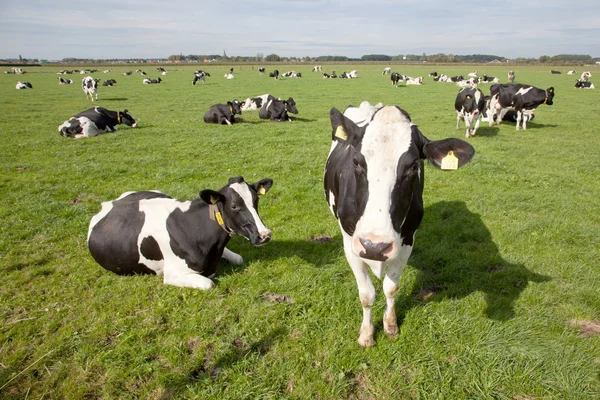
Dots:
pixel 555 72
pixel 277 110
pixel 261 70
pixel 414 81
pixel 472 74
pixel 63 81
pixel 469 106
pixel 584 85
pixel 433 74
pixel 373 184
pixel 199 76
pixel 95 121
pixel 396 77
pixel 317 68
pixel 585 76
pixel 23 85
pixel 571 72
pixel 522 98
pixel 109 82
pixel 386 70
pixel 255 103
pixel 223 113
pixel 90 87
pixel 149 81
pixel 152 233
pixel 127 73
pixel 511 76
pixel 274 74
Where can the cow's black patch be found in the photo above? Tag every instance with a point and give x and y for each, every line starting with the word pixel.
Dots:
pixel 150 249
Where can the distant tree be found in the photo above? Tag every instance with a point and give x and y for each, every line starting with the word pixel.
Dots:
pixel 544 59
pixel 376 57
pixel 272 57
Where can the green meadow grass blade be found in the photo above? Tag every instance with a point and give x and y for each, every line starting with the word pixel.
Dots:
pixel 506 256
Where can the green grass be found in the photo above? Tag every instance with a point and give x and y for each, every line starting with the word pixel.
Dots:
pixel 506 255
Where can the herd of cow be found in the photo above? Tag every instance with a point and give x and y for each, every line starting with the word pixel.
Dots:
pixel 373 184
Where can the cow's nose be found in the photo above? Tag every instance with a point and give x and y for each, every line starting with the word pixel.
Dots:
pixel 374 248
pixel 134 125
pixel 265 237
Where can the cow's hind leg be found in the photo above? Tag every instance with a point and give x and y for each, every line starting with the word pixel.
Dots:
pixel 183 276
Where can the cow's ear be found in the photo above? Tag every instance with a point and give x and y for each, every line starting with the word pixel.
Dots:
pixel 456 152
pixel 263 186
pixel 211 196
pixel 344 129
pixel 229 103
pixel 125 111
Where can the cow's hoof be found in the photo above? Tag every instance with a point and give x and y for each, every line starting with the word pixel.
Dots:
pixel 391 331
pixel 365 339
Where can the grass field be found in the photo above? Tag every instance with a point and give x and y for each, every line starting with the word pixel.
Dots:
pixel 506 256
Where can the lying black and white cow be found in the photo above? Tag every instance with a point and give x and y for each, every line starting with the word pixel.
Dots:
pixel 95 121
pixel 277 110
pixel 90 87
pixel 506 115
pixel 127 73
pixel 109 82
pixel 374 185
pixel 555 72
pixel 152 233
pixel 255 103
pixel 23 85
pixel 585 76
pixel 469 106
pixel 489 79
pixel 317 68
pixel 150 81
pixel 522 98
pixel 223 113
pixel 63 81
pixel 584 85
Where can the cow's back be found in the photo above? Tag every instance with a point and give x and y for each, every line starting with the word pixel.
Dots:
pixel 113 234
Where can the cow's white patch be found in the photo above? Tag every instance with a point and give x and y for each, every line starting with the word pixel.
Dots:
pixel 106 207
pixel 387 137
pixel 523 91
pixel 244 192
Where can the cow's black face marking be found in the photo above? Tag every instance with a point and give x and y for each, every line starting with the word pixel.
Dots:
pixel 126 118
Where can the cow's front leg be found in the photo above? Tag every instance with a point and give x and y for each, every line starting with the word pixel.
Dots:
pixel 458 117
pixel 366 292
pixel 468 118
pixel 224 119
pixel 524 118
pixel 477 121
pixel 231 257
pixel 519 118
pixel 178 274
pixel 390 288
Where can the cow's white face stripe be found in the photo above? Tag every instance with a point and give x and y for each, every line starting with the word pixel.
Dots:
pixel 387 137
pixel 244 192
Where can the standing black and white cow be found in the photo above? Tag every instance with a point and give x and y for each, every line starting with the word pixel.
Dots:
pixel 274 74
pixel 95 121
pixel 469 106
pixel 374 185
pixel 261 70
pixel 396 77
pixel 90 87
pixel 522 98
pixel 511 76
pixel 277 110
pixel 152 233
pixel 223 113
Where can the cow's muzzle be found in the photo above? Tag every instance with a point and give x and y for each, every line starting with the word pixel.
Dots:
pixel 263 238
pixel 374 248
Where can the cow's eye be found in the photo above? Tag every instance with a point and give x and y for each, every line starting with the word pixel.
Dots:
pixel 235 207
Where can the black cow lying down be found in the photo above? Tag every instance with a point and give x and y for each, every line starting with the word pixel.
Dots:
pixel 223 113
pixel 152 233
pixel 276 110
pixel 95 121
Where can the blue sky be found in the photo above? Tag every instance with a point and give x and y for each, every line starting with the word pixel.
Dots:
pixel 146 29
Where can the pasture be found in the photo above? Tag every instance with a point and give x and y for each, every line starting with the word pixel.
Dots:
pixel 505 259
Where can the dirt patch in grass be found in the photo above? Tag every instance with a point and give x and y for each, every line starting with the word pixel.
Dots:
pixel 586 328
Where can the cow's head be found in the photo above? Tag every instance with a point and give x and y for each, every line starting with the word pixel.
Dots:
pixel 238 203
pixel 290 106
pixel 385 158
pixel 235 106
pixel 549 96
pixel 126 118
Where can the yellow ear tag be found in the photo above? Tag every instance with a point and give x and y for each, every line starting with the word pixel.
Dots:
pixel 219 218
pixel 341 133
pixel 450 162
pixel 262 190
pixel 468 96
pixel 214 200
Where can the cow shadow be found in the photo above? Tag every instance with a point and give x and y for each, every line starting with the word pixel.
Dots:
pixel 116 99
pixel 455 257
pixel 487 131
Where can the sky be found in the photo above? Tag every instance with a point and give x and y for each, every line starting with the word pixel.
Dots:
pixel 104 29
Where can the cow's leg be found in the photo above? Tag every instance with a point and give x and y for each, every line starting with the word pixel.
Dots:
pixel 468 118
pixel 477 121
pixel 458 117
pixel 366 292
pixel 177 273
pixel 223 119
pixel 231 257
pixel 524 119
pixel 519 117
pixel 390 288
